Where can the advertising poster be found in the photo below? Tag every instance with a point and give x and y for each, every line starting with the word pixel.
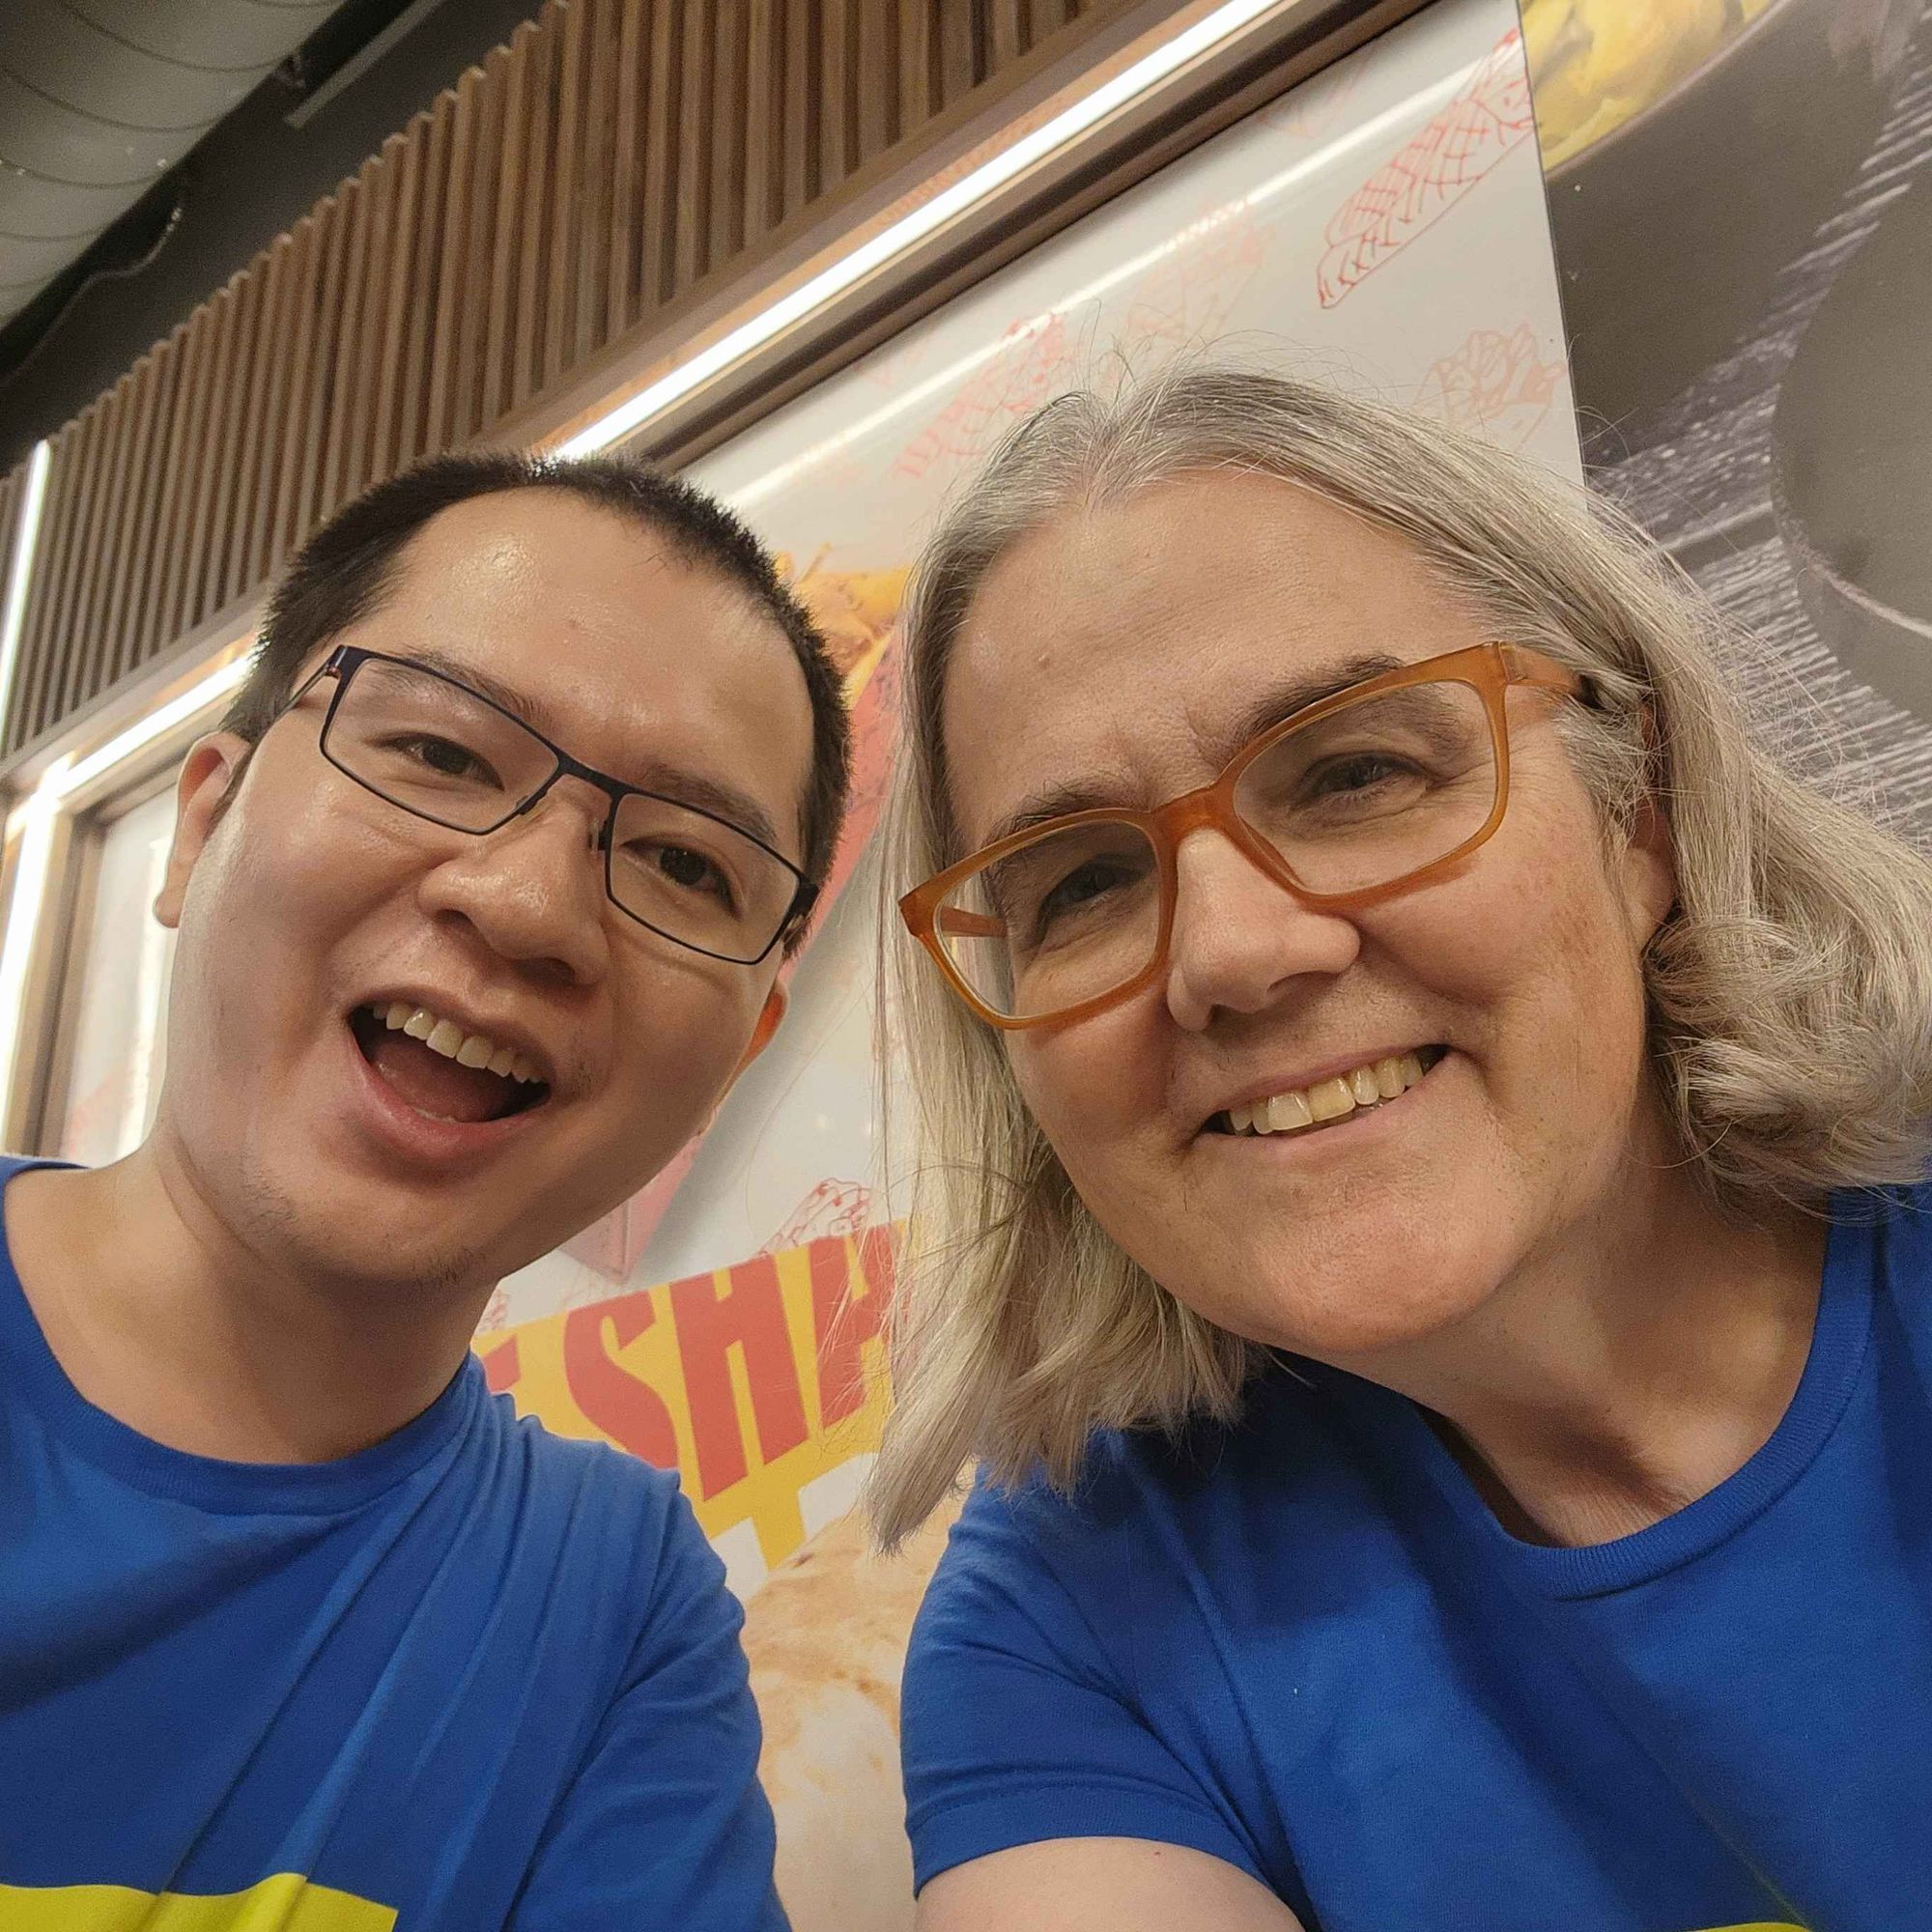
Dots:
pixel 1740 204
pixel 1381 227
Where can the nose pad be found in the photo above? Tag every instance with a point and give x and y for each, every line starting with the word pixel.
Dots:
pixel 598 827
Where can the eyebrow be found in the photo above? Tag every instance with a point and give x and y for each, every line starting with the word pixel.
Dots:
pixel 738 809
pixel 1278 702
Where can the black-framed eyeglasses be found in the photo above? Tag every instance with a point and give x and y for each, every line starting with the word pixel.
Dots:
pixel 441 751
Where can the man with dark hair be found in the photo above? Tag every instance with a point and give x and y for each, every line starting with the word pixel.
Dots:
pixel 481 893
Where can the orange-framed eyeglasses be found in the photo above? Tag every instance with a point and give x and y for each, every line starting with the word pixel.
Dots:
pixel 1350 801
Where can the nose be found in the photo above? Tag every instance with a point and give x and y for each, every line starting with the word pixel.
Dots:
pixel 532 889
pixel 1240 938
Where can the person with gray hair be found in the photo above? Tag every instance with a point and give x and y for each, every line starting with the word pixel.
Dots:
pixel 1420 1212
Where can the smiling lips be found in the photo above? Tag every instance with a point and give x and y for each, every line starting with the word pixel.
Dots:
pixel 1301 1108
pixel 442 1071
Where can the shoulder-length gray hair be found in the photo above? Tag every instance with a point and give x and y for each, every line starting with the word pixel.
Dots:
pixel 1790 990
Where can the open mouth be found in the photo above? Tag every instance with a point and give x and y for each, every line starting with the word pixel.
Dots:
pixel 445 1073
pixel 1328 1103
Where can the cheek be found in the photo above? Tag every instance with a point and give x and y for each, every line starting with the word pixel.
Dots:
pixel 283 861
pixel 1539 960
pixel 1097 1091
pixel 681 1033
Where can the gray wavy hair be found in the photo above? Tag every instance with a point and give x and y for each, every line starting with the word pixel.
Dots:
pixel 1790 989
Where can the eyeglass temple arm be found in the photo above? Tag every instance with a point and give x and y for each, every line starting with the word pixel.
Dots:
pixel 954 923
pixel 1532 667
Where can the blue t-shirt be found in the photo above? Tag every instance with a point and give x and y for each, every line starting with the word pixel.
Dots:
pixel 475 1676
pixel 1304 1645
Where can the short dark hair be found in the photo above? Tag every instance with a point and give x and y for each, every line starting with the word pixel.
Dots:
pixel 342 574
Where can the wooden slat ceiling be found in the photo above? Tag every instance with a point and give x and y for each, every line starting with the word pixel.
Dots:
pixel 606 160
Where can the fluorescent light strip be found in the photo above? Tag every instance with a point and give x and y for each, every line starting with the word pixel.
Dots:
pixel 36 817
pixel 20 572
pixel 911 229
pixel 198 697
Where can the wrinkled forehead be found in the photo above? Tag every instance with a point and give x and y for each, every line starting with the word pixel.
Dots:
pixel 1130 647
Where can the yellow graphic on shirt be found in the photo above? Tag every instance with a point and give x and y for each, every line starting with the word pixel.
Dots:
pixel 285 1903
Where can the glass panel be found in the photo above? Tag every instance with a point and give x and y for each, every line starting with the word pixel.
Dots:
pixel 695 878
pixel 432 748
pixel 1072 916
pixel 1378 789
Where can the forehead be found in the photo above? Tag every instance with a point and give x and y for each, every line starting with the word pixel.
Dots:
pixel 1123 642
pixel 628 653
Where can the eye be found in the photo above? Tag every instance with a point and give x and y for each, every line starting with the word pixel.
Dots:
pixel 1086 882
pixel 445 757
pixel 1357 773
pixel 686 869
pixel 1080 891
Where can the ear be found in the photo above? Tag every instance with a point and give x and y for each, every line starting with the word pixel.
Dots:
pixel 769 1016
pixel 208 778
pixel 1649 871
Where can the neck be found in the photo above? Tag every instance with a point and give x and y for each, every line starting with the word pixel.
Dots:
pixel 165 1316
pixel 1631 1368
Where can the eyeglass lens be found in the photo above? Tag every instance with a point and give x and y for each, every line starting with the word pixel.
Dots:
pixel 439 751
pixel 1360 798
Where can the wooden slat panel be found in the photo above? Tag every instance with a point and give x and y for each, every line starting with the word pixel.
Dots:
pixel 368 372
pixel 837 128
pixel 765 119
pixel 231 400
pixel 306 295
pixel 566 194
pixel 1050 15
pixel 332 452
pixel 598 142
pixel 89 641
pixel 724 232
pixel 612 155
pixel 628 85
pixel 312 429
pixel 1008 35
pixel 526 333
pixel 694 151
pixel 140 507
pixel 958 50
pixel 499 373
pixel 658 245
pixel 875 93
pixel 78 635
pixel 210 454
pixel 413 430
pixel 190 444
pixel 402 297
pixel 918 64
pixel 264 432
pixel 171 442
pixel 472 318
pixel 446 328
pixel 801 103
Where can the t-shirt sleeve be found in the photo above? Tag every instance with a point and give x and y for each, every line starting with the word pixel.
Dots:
pixel 1018 1722
pixel 666 1824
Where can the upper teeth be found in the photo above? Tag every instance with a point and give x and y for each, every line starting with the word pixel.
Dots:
pixel 446 1038
pixel 1329 1099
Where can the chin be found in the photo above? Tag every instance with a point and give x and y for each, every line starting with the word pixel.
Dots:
pixel 1398 1287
